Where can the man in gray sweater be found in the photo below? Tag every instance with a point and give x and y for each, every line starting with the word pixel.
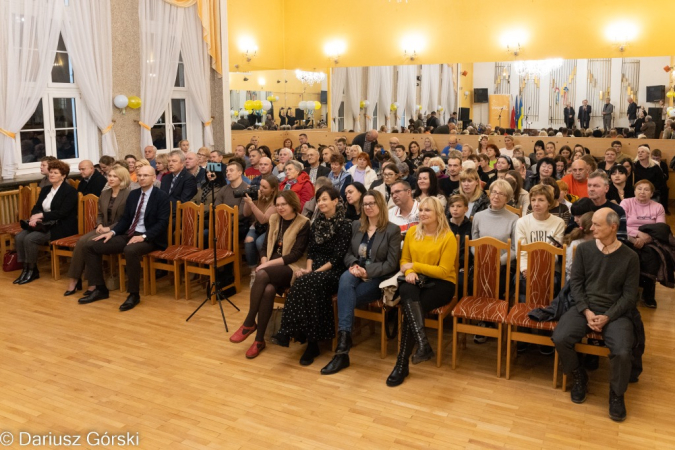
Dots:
pixel 604 283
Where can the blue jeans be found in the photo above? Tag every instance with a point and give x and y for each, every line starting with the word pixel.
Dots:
pixel 353 292
pixel 254 248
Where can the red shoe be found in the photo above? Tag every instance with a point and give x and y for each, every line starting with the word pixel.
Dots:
pixel 242 333
pixel 255 349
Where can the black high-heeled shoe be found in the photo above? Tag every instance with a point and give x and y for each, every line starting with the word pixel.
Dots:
pixel 78 287
pixel 32 274
pixel 23 274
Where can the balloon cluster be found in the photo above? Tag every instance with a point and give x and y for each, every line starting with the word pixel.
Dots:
pixel 670 94
pixel 122 101
pixel 272 98
pixel 308 105
pixel 257 105
pixel 394 106
pixel 671 112
pixel 364 104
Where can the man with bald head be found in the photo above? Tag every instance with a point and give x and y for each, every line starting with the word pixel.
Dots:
pixel 265 166
pixel 604 285
pixel 150 153
pixel 578 179
pixel 92 182
pixel 367 141
pixel 194 169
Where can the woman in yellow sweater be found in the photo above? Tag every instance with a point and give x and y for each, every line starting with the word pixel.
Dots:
pixel 429 252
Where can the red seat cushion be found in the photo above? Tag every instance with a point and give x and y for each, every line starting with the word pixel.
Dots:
pixel 70 241
pixel 12 229
pixel 206 256
pixel 595 335
pixel 518 316
pixel 174 252
pixel 440 311
pixel 482 308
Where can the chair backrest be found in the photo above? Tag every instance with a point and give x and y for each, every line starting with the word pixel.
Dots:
pixel 190 225
pixel 169 234
pixel 74 183
pixel 87 213
pixel 516 211
pixel 224 221
pixel 541 262
pixel 486 266
pixel 27 199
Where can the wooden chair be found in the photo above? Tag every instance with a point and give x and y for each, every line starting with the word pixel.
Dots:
pixel 484 305
pixel 224 222
pixel 539 292
pixel 587 349
pixel 376 312
pixel 73 182
pixel 87 213
pixel 16 205
pixel 189 239
pixel 145 263
pixel 516 211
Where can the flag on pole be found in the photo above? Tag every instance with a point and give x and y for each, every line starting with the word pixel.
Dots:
pixel 520 114
pixel 517 111
pixel 513 117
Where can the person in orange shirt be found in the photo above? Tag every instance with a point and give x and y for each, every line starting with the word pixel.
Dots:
pixel 578 179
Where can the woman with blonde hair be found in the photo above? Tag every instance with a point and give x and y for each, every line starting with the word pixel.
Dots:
pixel 469 186
pixel 162 165
pixel 429 146
pixel 428 262
pixel 645 168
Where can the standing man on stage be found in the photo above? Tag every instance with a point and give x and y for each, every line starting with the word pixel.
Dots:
pixel 607 112
pixel 569 115
pixel 584 115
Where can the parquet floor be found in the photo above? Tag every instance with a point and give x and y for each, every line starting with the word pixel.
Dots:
pixel 72 369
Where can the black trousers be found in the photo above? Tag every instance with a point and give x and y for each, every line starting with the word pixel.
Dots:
pixel 430 297
pixel 619 338
pixel 117 244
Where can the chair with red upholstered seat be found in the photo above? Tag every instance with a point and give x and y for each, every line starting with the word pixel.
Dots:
pixel 189 238
pixel 484 305
pixel 24 205
pixel 224 222
pixel 87 213
pixel 539 292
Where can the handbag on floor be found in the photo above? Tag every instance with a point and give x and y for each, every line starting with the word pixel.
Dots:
pixel 274 324
pixel 10 262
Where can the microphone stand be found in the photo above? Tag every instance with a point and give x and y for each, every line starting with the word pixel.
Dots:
pixel 499 119
pixel 214 289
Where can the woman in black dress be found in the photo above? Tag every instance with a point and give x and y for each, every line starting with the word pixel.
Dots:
pixel 282 117
pixel 308 313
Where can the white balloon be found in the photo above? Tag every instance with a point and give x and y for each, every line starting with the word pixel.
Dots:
pixel 232 112
pixel 243 113
pixel 439 107
pixel 302 105
pixel 397 105
pixel 266 105
pixel 276 98
pixel 121 101
pixel 366 103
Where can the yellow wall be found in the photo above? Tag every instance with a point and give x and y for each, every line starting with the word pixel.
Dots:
pixel 292 33
pixel 290 94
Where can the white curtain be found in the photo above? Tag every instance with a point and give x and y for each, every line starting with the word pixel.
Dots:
pixel 406 90
pixel 161 32
pixel 197 65
pixel 88 38
pixel 447 93
pixel 337 88
pixel 386 83
pixel 373 94
pixel 353 94
pixel 29 34
pixel 431 80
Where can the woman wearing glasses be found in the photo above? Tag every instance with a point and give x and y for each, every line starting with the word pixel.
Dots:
pixel 390 175
pixel 372 257
pixel 284 253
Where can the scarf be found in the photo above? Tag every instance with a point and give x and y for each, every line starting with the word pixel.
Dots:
pixel 339 180
pixel 324 229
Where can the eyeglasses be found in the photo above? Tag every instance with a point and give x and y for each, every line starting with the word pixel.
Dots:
pixel 497 194
pixel 369 205
pixel 387 175
pixel 281 205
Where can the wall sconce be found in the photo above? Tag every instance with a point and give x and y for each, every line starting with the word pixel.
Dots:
pixel 248 47
pixel 412 46
pixel 621 34
pixel 513 41
pixel 335 49
pixel 261 82
pixel 466 95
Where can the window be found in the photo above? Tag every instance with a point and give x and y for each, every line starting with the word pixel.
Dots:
pixel 58 127
pixel 166 134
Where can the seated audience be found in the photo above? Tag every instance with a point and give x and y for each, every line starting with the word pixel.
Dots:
pixel 110 208
pixel 131 163
pixel 314 168
pixel 362 171
pixel 54 216
pixel 405 212
pixel 390 175
pixel 460 225
pixel 641 210
pixel 610 160
pixel 179 185
pixel 142 229
pixel 193 168
pixel 261 209
pixel 233 193
pixel 373 257
pixel 577 181
pixel 162 166
pixel 648 169
pixel 338 175
pixel 560 167
pixel 580 234
pixel 284 252
pixel 598 186
pixel 429 250
pixel 545 168
pixel 415 154
pixel 470 187
pixel 311 209
pixel 105 162
pixel 253 171
pixel 604 286
pixel 427 186
pixel 285 155
pixel 521 198
pixel 353 197
pixel 619 188
pixel 297 181
pixel 265 167
pixel 308 312
pixel 92 181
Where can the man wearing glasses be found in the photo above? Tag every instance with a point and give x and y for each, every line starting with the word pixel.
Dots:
pixel 405 213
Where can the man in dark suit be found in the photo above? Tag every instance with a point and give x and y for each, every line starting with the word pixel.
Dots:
pixel 433 121
pixel 315 169
pixel 179 184
pixel 584 115
pixel 194 169
pixel 446 129
pixel 92 181
pixel 568 112
pixel 367 141
pixel 632 110
pixel 141 230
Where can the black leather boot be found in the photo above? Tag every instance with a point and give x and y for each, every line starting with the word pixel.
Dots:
pixel 580 386
pixel 617 407
pixel 415 317
pixel 23 274
pixel 341 359
pixel 401 371
pixel 33 274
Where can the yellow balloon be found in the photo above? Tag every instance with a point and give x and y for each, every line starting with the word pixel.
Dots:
pixel 236 113
pixel 362 104
pixel 248 104
pixel 317 105
pixel 134 102
pixel 257 104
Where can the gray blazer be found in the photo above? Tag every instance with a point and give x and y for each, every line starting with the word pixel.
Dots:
pixel 385 253
pixel 117 210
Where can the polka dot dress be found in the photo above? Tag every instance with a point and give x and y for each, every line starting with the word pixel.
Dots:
pixel 308 313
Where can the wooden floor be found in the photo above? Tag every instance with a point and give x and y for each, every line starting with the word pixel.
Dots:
pixel 70 369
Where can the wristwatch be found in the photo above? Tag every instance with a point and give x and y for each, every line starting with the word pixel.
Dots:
pixel 145 237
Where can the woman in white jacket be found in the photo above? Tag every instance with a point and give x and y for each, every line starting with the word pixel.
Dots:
pixel 362 171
